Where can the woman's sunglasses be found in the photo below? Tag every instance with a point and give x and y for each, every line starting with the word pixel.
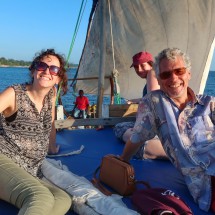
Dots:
pixel 41 66
pixel 168 74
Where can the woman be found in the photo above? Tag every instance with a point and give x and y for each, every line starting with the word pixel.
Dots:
pixel 27 132
pixel 143 65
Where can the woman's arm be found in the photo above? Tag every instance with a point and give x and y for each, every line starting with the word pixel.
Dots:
pixel 8 102
pixel 152 82
pixel 53 147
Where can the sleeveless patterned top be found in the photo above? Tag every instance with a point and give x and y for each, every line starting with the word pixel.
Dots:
pixel 24 136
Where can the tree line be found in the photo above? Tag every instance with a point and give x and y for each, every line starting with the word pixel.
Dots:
pixel 12 62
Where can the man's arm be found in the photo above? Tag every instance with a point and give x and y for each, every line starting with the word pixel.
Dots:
pixel 143 130
pixel 129 150
pixel 87 103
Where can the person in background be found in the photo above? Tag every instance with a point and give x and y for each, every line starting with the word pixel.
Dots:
pixel 27 133
pixel 185 124
pixel 143 65
pixel 81 106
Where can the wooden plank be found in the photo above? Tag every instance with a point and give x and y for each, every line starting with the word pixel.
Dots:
pixel 123 110
pixel 68 123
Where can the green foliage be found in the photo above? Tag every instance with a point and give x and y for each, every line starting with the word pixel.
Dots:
pixel 22 63
pixel 12 62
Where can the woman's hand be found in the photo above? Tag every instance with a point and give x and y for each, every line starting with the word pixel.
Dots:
pixel 54 149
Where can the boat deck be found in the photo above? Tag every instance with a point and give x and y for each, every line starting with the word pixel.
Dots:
pixel 159 173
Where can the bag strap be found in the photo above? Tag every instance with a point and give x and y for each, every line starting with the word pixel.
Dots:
pixel 97 183
pixel 144 183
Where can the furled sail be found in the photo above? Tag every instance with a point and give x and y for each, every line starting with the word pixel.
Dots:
pixel 149 25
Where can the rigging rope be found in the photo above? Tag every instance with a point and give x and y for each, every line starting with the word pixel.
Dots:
pixel 94 6
pixel 80 15
pixel 115 73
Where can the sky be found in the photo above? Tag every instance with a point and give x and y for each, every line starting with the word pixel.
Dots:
pixel 27 27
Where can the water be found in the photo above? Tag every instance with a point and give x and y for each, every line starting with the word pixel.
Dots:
pixel 14 75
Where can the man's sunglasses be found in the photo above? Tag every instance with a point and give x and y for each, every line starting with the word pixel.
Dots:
pixel 41 66
pixel 168 74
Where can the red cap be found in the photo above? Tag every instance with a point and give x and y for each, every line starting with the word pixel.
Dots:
pixel 141 57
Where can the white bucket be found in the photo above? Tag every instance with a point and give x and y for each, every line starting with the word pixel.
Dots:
pixel 60 113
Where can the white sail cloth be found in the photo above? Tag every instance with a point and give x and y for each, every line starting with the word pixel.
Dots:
pixel 149 25
pixel 87 200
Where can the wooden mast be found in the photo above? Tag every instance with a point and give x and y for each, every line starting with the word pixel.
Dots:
pixel 101 61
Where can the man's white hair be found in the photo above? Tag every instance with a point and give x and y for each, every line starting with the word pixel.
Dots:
pixel 171 54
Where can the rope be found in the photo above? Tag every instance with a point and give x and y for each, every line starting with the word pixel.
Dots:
pixel 115 73
pixel 93 9
pixel 80 15
pixel 68 153
pixel 58 94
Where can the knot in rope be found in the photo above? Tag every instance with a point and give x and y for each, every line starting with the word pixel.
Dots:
pixel 115 73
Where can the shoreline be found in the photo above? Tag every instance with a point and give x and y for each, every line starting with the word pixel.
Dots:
pixel 8 66
pixel 5 66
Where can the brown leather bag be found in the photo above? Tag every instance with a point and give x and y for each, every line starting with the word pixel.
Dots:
pixel 117 174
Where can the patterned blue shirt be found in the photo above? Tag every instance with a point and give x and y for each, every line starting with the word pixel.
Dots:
pixel 187 136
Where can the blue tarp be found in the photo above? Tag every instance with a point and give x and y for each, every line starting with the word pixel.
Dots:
pixel 159 173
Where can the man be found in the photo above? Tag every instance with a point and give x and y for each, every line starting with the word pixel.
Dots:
pixel 81 106
pixel 184 123
pixel 143 66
